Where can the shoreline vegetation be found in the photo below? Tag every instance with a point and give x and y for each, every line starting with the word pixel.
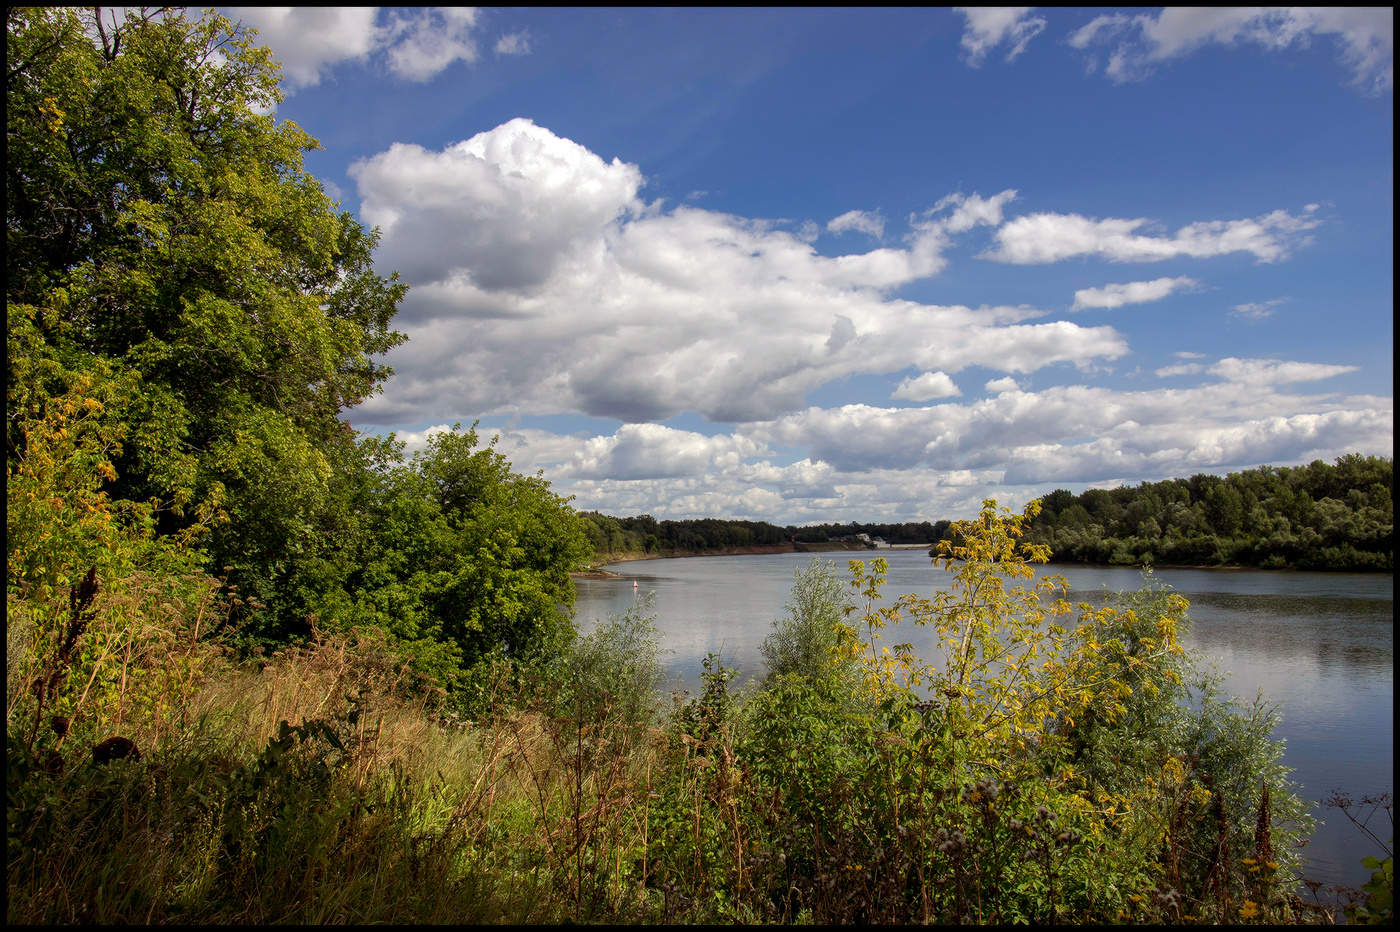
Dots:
pixel 1123 788
pixel 1337 516
pixel 595 569
pixel 262 668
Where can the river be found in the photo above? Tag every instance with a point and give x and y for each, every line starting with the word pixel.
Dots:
pixel 1320 645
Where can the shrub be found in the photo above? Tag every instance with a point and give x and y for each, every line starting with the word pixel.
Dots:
pixel 806 642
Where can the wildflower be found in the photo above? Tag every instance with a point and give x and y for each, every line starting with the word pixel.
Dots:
pixel 1249 910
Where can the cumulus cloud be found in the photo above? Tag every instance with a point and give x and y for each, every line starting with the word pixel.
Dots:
pixel 927 387
pixel 1136 44
pixel 413 44
pixel 1046 237
pixel 999 386
pixel 1116 295
pixel 425 42
pixel 542 283
pixel 654 451
pixel 416 441
pixel 1041 435
pixel 860 220
pixel 310 40
pixel 988 27
pixel 872 462
pixel 499 211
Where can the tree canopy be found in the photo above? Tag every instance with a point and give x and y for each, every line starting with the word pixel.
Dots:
pixel 1325 516
pixel 174 271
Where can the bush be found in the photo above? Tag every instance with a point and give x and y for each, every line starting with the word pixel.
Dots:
pixel 806 642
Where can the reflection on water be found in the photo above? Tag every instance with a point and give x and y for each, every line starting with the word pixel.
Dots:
pixel 1320 645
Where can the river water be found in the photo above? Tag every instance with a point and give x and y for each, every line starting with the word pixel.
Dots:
pixel 1320 645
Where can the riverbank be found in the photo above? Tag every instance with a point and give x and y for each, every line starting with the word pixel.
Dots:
pixel 627 556
pixel 595 570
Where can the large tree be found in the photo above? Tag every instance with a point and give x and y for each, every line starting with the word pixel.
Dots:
pixel 161 233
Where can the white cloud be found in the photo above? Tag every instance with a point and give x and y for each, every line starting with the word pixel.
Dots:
pixel 515 43
pixel 1116 295
pixel 412 43
pixel 1002 385
pixel 938 461
pixel 1042 435
pixel 860 220
pixel 653 451
pixel 1364 35
pixel 1257 372
pixel 542 284
pixel 310 40
pixel 499 211
pixel 972 210
pixel 927 387
pixel 427 41
pixel 988 27
pixel 1045 237
pixel 1256 310
pixel 416 441
pixel 1100 25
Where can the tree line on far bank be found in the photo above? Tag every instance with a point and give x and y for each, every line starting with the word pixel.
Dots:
pixel 644 534
pixel 1322 516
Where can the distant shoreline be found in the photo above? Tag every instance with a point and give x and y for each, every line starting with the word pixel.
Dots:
pixel 597 572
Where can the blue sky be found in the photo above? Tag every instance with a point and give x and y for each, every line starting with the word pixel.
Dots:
pixel 834 264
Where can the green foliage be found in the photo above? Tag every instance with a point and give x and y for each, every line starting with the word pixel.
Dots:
pixel 1379 906
pixel 1037 769
pixel 807 641
pixel 1320 516
pixel 643 534
pixel 612 676
pixel 511 546
pixel 160 226
pixel 189 317
pixel 950 791
pixel 1374 903
pixel 93 594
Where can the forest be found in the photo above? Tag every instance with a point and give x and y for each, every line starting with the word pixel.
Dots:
pixel 264 668
pixel 1322 516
